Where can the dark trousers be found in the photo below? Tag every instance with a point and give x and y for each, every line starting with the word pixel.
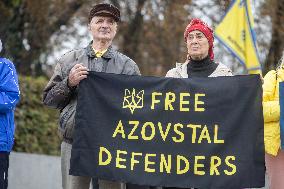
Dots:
pixel 134 186
pixel 4 165
pixel 95 183
pixel 175 188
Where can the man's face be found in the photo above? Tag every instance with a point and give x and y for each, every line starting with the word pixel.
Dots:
pixel 103 28
pixel 197 45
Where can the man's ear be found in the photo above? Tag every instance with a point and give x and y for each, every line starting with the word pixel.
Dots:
pixel 116 27
pixel 89 27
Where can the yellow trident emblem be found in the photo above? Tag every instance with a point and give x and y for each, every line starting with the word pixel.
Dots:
pixel 133 100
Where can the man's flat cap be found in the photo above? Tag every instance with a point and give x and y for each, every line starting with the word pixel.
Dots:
pixel 105 9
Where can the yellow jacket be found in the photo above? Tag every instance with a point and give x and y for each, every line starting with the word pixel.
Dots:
pixel 271 110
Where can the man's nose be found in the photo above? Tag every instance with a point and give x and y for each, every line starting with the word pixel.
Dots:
pixel 105 24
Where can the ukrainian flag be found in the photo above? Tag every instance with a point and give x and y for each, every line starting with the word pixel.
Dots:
pixel 235 32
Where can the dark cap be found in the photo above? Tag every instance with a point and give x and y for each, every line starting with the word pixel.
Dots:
pixel 105 9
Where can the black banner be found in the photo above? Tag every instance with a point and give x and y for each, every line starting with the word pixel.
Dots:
pixel 201 132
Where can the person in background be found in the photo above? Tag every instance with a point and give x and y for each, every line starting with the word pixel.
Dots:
pixel 9 97
pixel 274 156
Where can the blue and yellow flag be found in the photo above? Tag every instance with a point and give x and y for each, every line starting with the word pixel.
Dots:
pixel 236 33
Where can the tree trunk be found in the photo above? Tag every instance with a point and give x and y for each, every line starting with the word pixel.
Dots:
pixel 132 37
pixel 277 42
pixel 27 38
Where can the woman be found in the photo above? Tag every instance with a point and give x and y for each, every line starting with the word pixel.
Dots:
pixel 199 40
pixel 274 157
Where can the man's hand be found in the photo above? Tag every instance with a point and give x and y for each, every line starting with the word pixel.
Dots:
pixel 77 73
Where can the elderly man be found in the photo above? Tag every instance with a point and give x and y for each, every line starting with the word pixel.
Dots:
pixel 9 97
pixel 73 67
pixel 200 58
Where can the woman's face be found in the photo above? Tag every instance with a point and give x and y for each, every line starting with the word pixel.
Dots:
pixel 197 45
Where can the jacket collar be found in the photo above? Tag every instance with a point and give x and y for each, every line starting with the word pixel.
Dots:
pixel 183 69
pixel 108 54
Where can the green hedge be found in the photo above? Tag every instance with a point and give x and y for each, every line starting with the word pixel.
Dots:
pixel 36 125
